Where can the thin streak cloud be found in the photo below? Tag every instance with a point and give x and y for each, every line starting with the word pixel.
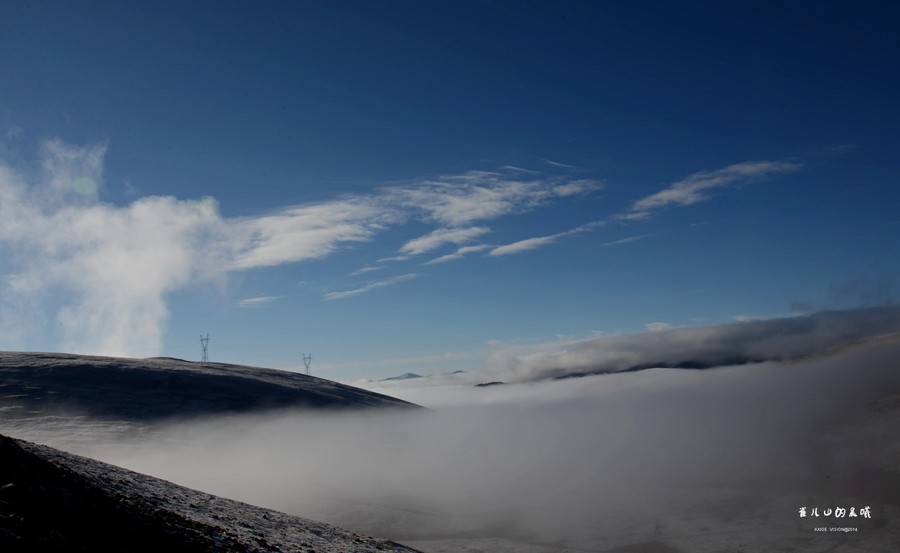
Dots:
pixel 520 169
pixel 525 245
pixel 458 254
pixel 257 301
pixel 558 164
pixel 367 269
pixel 628 240
pixel 696 187
pixel 441 236
pixel 541 241
pixel 372 286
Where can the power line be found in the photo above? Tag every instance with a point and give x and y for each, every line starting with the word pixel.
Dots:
pixel 307 359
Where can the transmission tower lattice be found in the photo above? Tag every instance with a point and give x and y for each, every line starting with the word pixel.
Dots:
pixel 204 343
pixel 307 359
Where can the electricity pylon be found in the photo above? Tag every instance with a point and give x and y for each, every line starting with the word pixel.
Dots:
pixel 204 343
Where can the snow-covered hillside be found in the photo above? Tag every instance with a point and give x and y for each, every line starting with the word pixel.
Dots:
pixel 145 390
pixel 55 501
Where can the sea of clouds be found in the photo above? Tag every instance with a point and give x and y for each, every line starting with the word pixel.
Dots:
pixel 541 460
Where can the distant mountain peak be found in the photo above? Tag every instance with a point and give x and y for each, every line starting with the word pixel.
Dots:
pixel 404 376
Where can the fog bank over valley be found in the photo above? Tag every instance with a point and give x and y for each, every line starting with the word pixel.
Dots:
pixel 671 456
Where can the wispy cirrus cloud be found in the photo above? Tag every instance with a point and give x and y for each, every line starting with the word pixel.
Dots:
pixel 696 187
pixel 464 199
pixel 628 240
pixel 541 241
pixel 558 164
pixel 367 269
pixel 313 231
pixel 576 187
pixel 302 232
pixel 257 301
pixel 520 169
pixel 633 216
pixel 526 244
pixel 440 237
pixel 458 254
pixel 371 286
pixel 459 200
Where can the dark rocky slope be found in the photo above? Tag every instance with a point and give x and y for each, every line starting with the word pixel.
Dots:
pixel 55 501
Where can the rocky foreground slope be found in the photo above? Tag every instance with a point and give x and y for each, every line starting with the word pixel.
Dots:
pixel 55 501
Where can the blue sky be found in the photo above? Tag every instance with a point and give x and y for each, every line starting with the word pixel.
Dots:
pixel 399 186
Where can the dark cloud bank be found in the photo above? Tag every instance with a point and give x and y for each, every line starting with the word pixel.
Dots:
pixel 702 347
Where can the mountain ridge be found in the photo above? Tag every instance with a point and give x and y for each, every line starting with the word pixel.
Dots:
pixel 144 390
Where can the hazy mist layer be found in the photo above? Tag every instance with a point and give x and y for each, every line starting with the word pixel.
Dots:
pixel 545 462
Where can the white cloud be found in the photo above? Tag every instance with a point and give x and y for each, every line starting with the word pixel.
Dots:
pixel 558 164
pixel 635 216
pixel 626 240
pixel 577 187
pixel 464 203
pixel 371 286
pixel 657 327
pixel 441 236
pixel 367 269
pixel 116 265
pixel 479 195
pixel 391 258
pixel 744 318
pixel 695 187
pixel 525 245
pixel 458 254
pixel 257 301
pixel 520 169
pixel 106 270
pixel 316 230
pixel 70 171
pixel 541 241
pixel 302 232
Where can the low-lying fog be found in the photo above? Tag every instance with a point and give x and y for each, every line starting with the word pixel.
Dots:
pixel 541 462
